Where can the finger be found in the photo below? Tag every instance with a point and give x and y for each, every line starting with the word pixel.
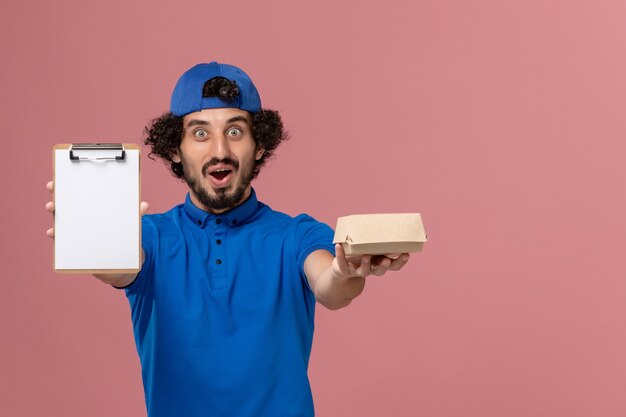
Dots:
pixel 400 262
pixel 379 272
pixel 354 260
pixel 377 260
pixel 342 262
pixel 50 186
pixel 365 268
pixel 50 232
pixel 381 267
pixel 388 265
pixel 144 207
pixel 50 206
pixel 383 262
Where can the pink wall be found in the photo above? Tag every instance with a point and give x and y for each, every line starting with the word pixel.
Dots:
pixel 501 122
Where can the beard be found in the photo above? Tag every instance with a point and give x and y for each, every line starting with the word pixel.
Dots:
pixel 223 199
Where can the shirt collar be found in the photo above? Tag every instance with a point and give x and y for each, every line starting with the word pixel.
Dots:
pixel 232 217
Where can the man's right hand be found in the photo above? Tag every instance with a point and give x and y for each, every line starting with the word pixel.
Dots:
pixel 118 280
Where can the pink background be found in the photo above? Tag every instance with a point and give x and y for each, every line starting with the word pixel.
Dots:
pixel 501 122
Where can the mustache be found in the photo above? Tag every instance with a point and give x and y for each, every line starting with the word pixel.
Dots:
pixel 216 161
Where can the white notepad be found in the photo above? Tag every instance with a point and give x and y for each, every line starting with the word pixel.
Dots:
pixel 97 220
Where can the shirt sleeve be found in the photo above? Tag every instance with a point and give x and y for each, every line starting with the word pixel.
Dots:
pixel 310 236
pixel 148 236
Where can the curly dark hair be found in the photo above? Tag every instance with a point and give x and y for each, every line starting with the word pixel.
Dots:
pixel 220 87
pixel 164 134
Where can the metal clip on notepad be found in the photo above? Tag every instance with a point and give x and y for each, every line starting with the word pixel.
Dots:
pixel 118 148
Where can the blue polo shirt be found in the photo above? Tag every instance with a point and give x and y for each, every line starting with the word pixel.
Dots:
pixel 222 311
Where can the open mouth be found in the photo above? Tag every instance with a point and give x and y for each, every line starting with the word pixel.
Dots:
pixel 220 174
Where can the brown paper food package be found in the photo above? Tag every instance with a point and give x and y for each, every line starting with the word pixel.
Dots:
pixel 380 234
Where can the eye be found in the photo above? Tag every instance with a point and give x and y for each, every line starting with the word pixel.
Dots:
pixel 201 133
pixel 233 131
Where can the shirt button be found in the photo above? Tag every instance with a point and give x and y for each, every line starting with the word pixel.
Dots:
pixel 219 262
pixel 218 221
pixel 218 241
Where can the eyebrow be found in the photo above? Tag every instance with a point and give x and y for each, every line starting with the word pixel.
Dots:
pixel 195 122
pixel 237 119
pixel 198 122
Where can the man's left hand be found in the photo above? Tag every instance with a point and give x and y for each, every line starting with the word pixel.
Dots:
pixel 364 265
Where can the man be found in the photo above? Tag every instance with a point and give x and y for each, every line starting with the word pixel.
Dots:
pixel 223 306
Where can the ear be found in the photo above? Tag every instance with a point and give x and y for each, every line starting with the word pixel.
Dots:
pixel 174 155
pixel 259 153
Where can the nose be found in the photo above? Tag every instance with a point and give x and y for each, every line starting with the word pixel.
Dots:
pixel 219 147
